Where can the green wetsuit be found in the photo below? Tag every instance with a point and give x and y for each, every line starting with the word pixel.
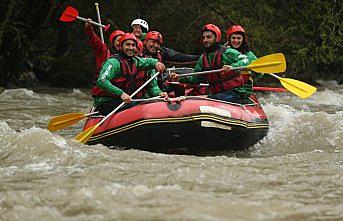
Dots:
pixel 229 57
pixel 111 69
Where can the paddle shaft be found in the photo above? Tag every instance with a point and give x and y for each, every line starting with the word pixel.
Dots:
pixel 91 21
pixel 91 114
pixel 177 70
pixel 274 75
pixel 146 99
pixel 201 73
pixel 132 95
pixel 255 88
pixel 77 118
pixel 181 84
pixel 99 20
pixel 212 71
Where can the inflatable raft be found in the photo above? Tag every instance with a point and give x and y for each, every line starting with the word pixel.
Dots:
pixel 184 125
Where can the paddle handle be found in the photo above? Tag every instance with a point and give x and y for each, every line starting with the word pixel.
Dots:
pixel 132 95
pixel 99 20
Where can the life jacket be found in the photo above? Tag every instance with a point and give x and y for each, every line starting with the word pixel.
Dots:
pixel 220 82
pixel 158 56
pixel 129 81
pixel 247 79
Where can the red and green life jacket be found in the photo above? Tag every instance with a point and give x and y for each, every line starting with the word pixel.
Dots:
pixel 129 81
pixel 219 82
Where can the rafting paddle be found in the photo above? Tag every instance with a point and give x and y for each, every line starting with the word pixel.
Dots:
pixel 71 13
pixel 65 120
pixel 84 136
pixel 255 88
pixel 273 63
pixel 266 65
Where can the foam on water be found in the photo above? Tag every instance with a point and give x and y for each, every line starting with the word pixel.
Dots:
pixel 21 93
pixel 294 173
pixel 327 97
pixel 39 149
pixel 78 93
pixel 296 131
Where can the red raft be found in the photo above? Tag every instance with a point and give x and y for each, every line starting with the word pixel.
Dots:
pixel 188 125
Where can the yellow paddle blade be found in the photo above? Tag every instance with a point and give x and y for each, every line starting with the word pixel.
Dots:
pixel 84 136
pixel 273 63
pixel 299 88
pixel 62 121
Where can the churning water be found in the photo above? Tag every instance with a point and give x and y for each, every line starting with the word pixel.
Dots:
pixel 294 173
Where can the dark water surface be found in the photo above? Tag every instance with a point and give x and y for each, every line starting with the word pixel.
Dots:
pixel 295 173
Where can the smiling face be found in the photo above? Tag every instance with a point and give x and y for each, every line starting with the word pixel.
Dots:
pixel 152 46
pixel 137 31
pixel 236 40
pixel 208 38
pixel 129 48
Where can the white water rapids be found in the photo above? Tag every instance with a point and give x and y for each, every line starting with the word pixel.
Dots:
pixel 294 173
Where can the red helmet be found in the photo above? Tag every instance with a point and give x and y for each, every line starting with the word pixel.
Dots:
pixel 116 33
pixel 214 29
pixel 139 47
pixel 234 29
pixel 154 35
pixel 125 37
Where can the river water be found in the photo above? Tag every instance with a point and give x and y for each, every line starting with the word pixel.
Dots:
pixel 294 173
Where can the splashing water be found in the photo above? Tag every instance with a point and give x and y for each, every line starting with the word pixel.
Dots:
pixel 294 173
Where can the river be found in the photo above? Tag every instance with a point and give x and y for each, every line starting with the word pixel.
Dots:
pixel 294 173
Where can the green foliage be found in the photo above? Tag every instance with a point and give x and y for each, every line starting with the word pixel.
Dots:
pixel 309 33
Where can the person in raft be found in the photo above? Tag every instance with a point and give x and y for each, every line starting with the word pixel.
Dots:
pixel 152 49
pixel 139 28
pixel 122 75
pixel 237 39
pixel 100 49
pixel 225 85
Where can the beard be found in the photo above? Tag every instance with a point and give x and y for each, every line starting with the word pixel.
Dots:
pixel 212 47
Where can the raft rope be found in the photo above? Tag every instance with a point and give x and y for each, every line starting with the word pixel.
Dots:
pixel 178 100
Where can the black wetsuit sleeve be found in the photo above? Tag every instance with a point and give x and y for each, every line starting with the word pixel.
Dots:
pixel 175 56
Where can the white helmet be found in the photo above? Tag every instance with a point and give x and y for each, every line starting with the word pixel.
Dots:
pixel 140 22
